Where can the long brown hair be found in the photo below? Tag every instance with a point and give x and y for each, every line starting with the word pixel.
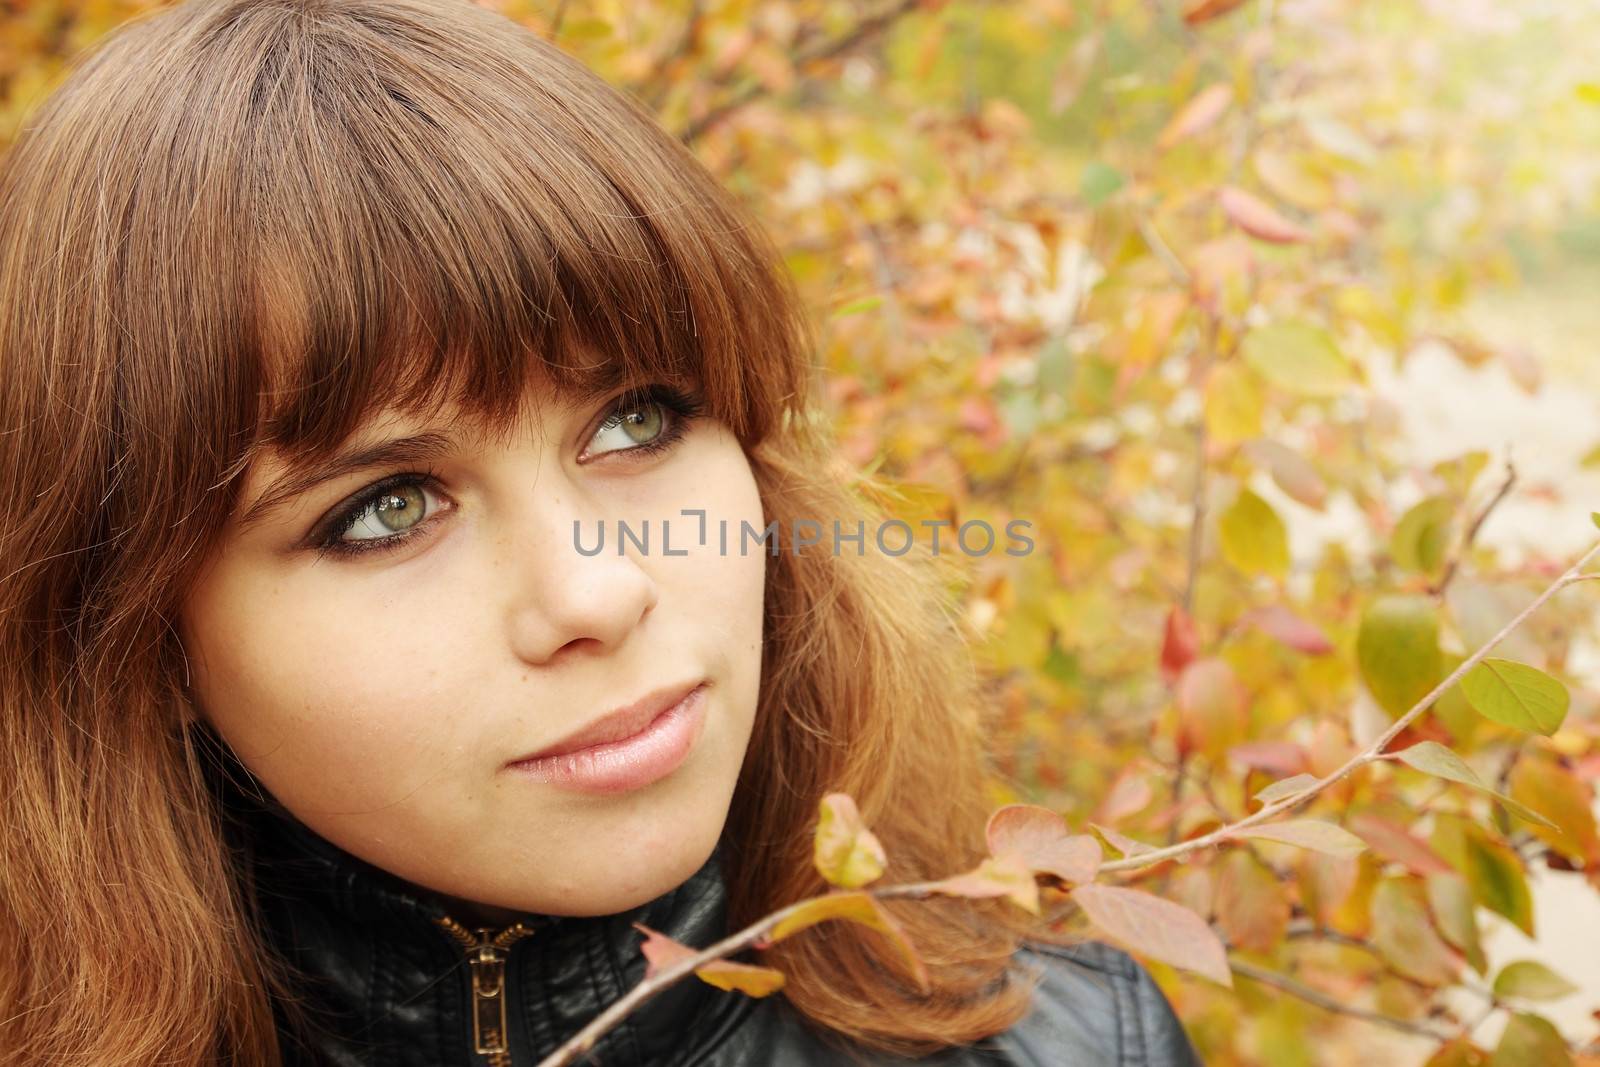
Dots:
pixel 247 224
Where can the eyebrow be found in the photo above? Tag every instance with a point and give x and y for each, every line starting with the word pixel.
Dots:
pixel 401 450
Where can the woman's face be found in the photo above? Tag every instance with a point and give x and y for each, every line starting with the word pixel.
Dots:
pixel 382 696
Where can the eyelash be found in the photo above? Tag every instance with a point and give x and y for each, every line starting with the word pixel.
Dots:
pixel 681 407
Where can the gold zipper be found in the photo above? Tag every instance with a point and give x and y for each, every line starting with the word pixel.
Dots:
pixel 486 952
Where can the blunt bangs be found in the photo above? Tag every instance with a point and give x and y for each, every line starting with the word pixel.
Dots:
pixel 339 210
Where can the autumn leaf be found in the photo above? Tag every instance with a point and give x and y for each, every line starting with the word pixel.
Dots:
pixel 1253 537
pixel 1122 843
pixel 1251 906
pixel 1179 643
pixel 661 952
pixel 1290 629
pixel 1040 838
pixel 1430 757
pixel 1404 933
pixel 858 907
pixel 1395 844
pixel 1298 357
pixel 1198 11
pixel 1201 112
pixel 846 852
pixel 1287 787
pixel 1259 219
pixel 1157 928
pixel 1006 875
pixel 1315 834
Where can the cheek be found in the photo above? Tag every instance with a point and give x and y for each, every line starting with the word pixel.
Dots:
pixel 329 710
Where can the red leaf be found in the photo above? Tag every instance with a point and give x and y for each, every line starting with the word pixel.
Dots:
pixel 1281 758
pixel 1259 219
pixel 1157 928
pixel 1179 645
pixel 1279 622
pixel 660 951
pixel 1395 844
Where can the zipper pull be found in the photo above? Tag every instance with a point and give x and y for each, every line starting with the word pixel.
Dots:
pixel 486 954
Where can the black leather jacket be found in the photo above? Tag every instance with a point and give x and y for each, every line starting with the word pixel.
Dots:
pixel 395 987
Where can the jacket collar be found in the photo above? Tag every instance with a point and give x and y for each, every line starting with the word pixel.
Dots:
pixel 376 953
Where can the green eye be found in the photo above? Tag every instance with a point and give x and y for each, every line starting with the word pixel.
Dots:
pixel 400 510
pixel 640 424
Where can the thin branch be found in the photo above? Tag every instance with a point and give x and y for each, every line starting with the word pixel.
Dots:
pixel 1322 1000
pixel 868 27
pixel 1373 752
pixel 1158 244
pixel 1472 530
pixel 758 931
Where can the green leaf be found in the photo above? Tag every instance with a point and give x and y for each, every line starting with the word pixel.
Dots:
pixel 1517 695
pixel 1453 911
pixel 1531 980
pixel 1430 757
pixel 1422 536
pixel 1254 538
pixel 1530 1041
pixel 856 307
pixel 1099 182
pixel 1495 874
pixel 1299 358
pixel 1397 648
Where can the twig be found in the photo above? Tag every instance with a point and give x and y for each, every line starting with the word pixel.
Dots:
pixel 1373 752
pixel 584 1039
pixel 1158 244
pixel 1322 1000
pixel 868 26
pixel 1472 530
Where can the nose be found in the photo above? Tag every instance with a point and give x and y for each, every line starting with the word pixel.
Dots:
pixel 561 602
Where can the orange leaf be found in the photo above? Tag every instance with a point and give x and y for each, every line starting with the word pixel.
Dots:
pixel 741 977
pixel 1198 11
pixel 1258 218
pixel 1039 837
pixel 856 907
pixel 1157 928
pixel 1205 108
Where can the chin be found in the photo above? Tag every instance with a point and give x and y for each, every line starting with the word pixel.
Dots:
pixel 610 881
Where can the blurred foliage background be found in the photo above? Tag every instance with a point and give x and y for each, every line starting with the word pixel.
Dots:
pixel 1245 305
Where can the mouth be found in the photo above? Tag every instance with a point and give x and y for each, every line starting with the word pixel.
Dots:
pixel 626 749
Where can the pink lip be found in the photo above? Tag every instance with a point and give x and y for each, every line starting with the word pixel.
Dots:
pixel 625 750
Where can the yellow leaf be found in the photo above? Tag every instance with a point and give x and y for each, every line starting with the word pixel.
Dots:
pixel 1253 537
pixel 846 852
